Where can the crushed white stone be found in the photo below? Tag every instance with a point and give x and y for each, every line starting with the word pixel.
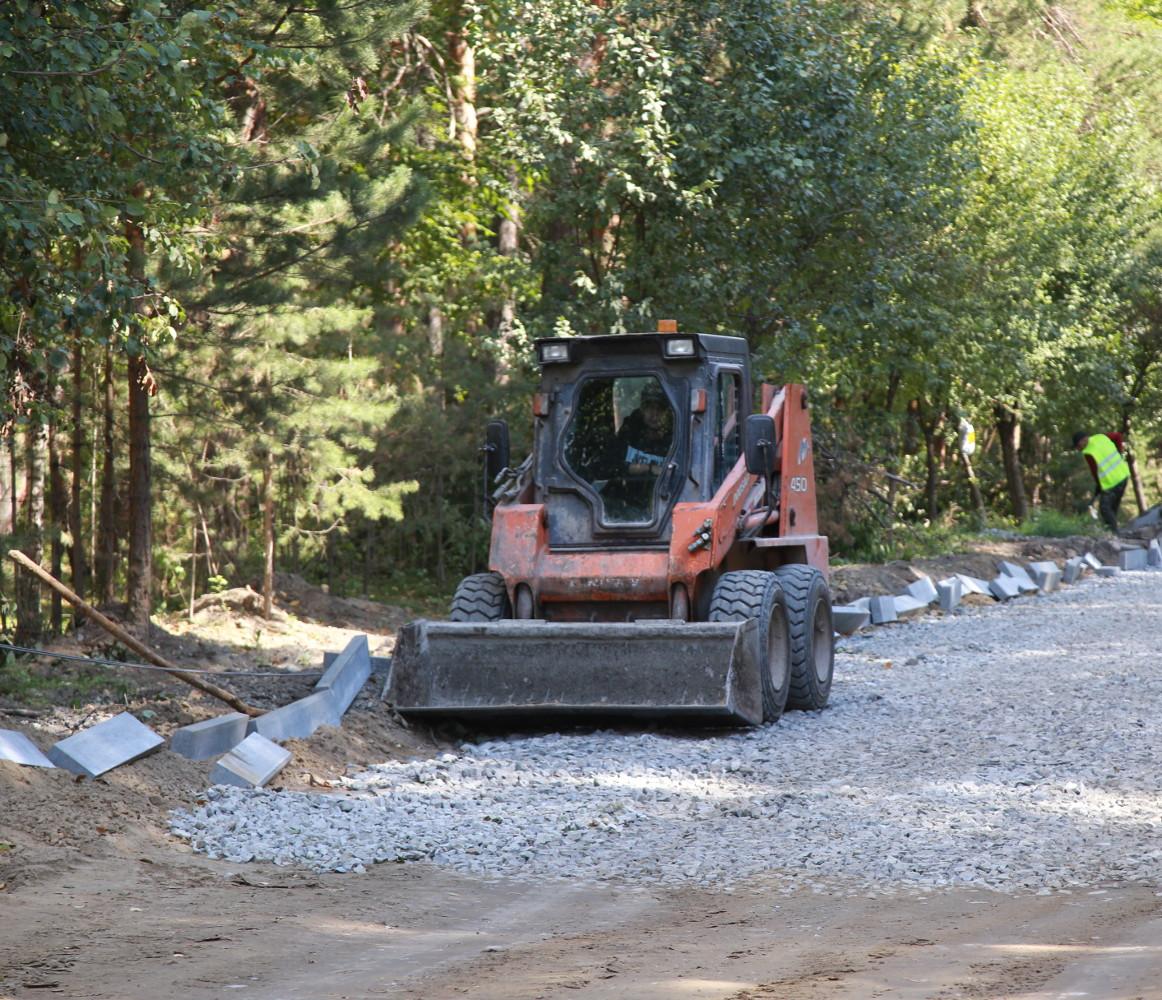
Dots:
pixel 1012 747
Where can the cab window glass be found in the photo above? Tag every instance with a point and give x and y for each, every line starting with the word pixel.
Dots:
pixel 619 442
pixel 727 428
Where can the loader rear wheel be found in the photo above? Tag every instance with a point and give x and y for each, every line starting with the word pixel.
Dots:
pixel 481 597
pixel 812 637
pixel 756 594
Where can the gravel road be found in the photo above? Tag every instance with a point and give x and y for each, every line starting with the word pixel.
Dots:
pixel 1011 747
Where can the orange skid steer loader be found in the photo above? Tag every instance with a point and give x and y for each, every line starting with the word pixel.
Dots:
pixel 657 555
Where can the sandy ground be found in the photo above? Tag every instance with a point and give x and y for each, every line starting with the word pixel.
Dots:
pixel 97 901
pixel 149 920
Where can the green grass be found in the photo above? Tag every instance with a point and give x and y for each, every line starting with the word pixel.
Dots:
pixel 58 683
pixel 1047 523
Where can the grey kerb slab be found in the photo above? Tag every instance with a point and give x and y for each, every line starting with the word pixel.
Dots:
pixel 208 738
pixel 847 618
pixel 907 604
pixel 1020 574
pixel 1154 554
pixel 1073 569
pixel 950 591
pixel 1047 576
pixel 347 674
pixel 883 610
pixel 923 590
pixel 299 719
pixel 1005 588
pixel 1092 561
pixel 19 749
pixel 107 745
pixel 251 764
pixel 974 585
pixel 1132 559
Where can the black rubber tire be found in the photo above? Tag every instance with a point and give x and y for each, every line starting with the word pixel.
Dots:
pixel 481 597
pixel 754 593
pixel 812 635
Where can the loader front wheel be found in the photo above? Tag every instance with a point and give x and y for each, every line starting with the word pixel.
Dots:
pixel 756 594
pixel 812 637
pixel 481 597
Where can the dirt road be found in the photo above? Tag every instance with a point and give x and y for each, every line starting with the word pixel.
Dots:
pixel 151 921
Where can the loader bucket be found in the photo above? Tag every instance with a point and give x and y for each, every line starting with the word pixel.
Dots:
pixel 513 670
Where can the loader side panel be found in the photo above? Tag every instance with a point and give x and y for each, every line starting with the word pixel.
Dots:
pixel 797 470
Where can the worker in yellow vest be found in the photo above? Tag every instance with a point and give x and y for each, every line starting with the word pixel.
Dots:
pixel 1111 471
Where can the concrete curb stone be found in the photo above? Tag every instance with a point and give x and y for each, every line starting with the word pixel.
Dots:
pixel 19 749
pixel 106 745
pixel 251 764
pixel 210 737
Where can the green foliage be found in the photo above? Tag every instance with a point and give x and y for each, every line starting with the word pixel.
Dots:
pixel 108 118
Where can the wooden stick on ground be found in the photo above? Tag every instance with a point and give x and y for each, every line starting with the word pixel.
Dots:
pixel 142 650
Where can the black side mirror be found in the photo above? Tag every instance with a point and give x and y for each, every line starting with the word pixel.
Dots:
pixel 496 450
pixel 760 444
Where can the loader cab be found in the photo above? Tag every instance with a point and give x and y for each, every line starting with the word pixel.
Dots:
pixel 627 426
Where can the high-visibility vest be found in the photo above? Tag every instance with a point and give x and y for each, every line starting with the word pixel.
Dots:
pixel 1112 467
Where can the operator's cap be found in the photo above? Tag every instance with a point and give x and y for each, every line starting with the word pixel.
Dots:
pixel 652 392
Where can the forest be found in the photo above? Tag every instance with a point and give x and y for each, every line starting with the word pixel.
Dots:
pixel 269 268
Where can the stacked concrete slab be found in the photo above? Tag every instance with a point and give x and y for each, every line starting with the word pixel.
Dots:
pixel 1107 571
pixel 1154 554
pixel 107 745
pixel 1047 576
pixel 1018 573
pixel 1092 561
pixel 19 749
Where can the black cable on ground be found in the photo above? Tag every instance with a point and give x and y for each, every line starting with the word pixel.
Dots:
pixel 304 675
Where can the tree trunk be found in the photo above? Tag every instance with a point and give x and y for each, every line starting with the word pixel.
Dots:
pixel 267 534
pixel 77 561
pixel 932 479
pixel 974 489
pixel 193 570
pixel 7 484
pixel 107 514
pixel 58 510
pixel 140 584
pixel 19 487
pixel 139 590
pixel 1135 472
pixel 1009 430
pixel 28 623
pixel 508 242
pixel 462 73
